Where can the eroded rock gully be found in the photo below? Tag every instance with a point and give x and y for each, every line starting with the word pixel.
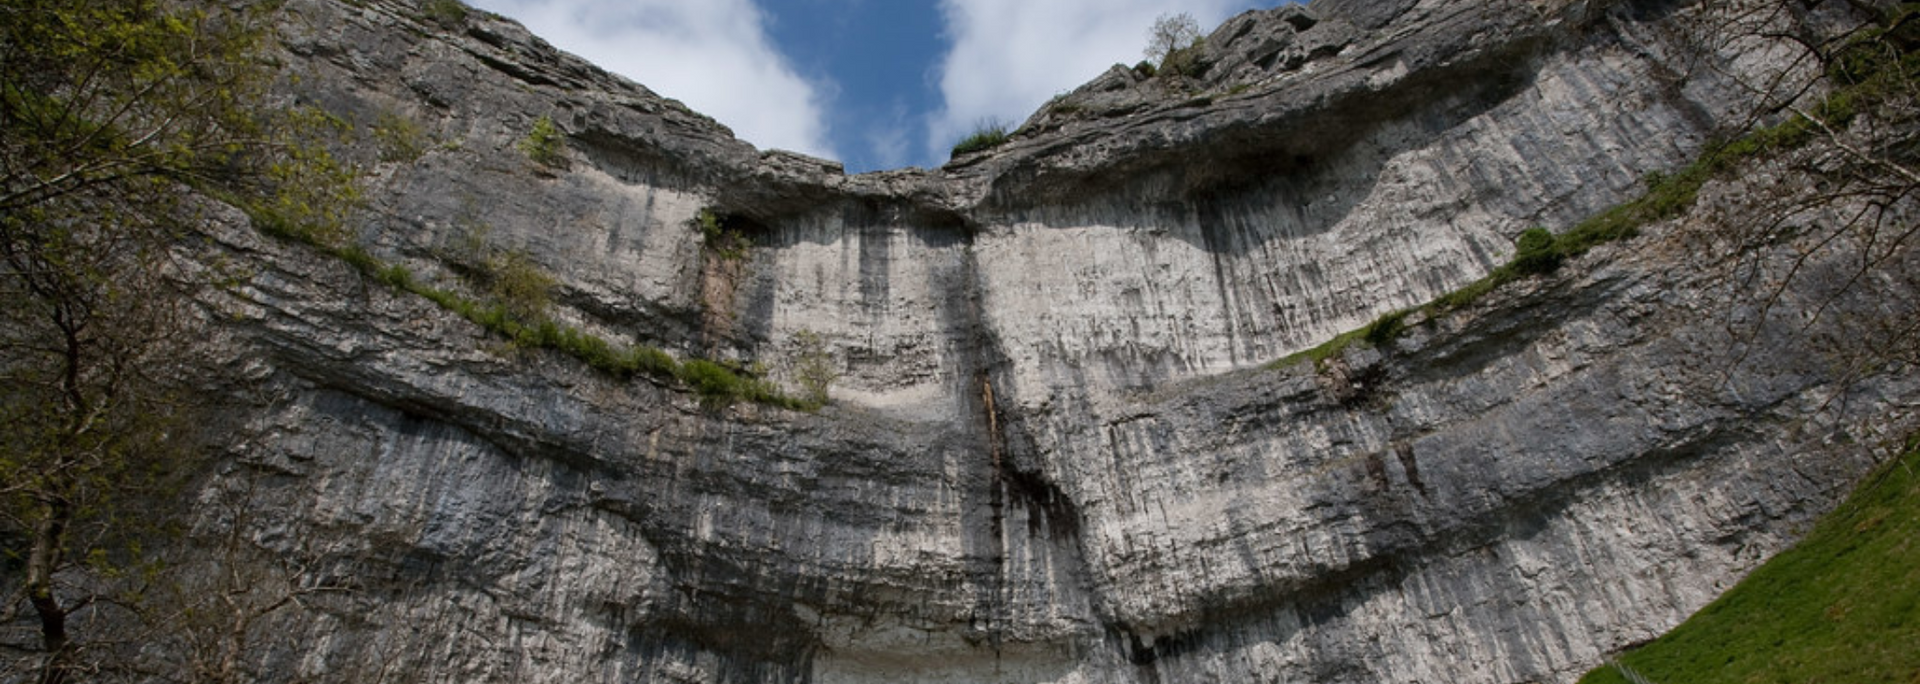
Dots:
pixel 1054 454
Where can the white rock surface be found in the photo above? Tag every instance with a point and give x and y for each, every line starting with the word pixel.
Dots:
pixel 1055 454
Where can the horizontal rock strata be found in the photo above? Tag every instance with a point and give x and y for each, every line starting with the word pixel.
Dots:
pixel 1055 453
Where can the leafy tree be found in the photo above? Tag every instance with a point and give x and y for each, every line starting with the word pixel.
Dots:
pixel 113 113
pixel 1850 103
pixel 1171 33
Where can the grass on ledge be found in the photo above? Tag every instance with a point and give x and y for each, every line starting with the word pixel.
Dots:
pixel 1840 607
pixel 1379 332
pixel 1861 82
pixel 716 384
pixel 985 137
pixel 1540 252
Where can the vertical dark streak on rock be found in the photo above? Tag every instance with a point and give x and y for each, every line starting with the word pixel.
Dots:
pixel 975 353
pixel 1220 244
pixel 1408 463
pixel 995 444
pixel 1181 524
pixel 719 280
pixel 876 256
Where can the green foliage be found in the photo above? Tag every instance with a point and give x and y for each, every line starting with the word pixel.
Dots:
pixel 1062 105
pixel 105 92
pixel 1379 333
pixel 1876 68
pixel 1469 293
pixel 814 369
pixel 652 362
pixel 721 237
pixel 1667 196
pixel 308 193
pixel 360 259
pixel 712 381
pixel 1185 61
pixel 985 136
pixel 400 139
pixel 1843 605
pixel 1535 253
pixel 1386 328
pixel 719 385
pixel 396 276
pixel 1319 355
pixel 545 144
pixel 446 12
pixel 514 281
pixel 111 113
pixel 506 278
pixel 517 295
pixel 1879 65
pixel 716 384
pixel 1175 44
pixel 596 352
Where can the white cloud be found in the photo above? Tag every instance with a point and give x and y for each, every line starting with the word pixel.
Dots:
pixel 890 141
pixel 1010 56
pixel 714 55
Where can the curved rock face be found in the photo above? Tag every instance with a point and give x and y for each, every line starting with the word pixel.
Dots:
pixel 1054 453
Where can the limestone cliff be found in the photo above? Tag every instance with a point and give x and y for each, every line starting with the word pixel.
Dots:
pixel 1055 453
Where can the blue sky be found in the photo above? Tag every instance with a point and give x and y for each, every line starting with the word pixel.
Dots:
pixel 876 84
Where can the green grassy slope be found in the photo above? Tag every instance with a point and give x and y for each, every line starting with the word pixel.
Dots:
pixel 1840 607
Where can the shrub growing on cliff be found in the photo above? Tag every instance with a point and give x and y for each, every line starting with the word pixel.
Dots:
pixel 446 12
pixel 517 283
pixel 712 381
pixel 545 144
pixel 1535 253
pixel 814 369
pixel 508 279
pixel 515 294
pixel 720 385
pixel 720 237
pixel 400 139
pixel 1386 328
pixel 1184 61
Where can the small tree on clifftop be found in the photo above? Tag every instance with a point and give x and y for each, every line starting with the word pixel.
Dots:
pixel 1171 32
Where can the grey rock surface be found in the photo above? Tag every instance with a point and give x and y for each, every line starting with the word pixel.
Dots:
pixel 1056 453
